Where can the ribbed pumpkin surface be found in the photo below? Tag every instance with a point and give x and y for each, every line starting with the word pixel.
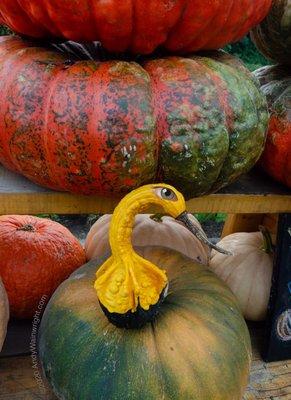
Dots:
pixel 4 314
pixel 108 127
pixel 36 255
pixel 137 25
pixel 276 159
pixel 273 35
pixel 197 348
pixel 166 232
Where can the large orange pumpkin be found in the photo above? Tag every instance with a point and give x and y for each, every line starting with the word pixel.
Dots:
pixel 137 25
pixel 107 127
pixel 36 255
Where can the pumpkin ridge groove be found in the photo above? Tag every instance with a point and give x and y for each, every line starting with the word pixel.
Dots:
pixel 168 25
pixel 175 340
pixel 230 11
pixel 215 324
pixel 8 83
pixel 178 22
pixel 162 378
pixel 183 141
pixel 49 161
pixel 200 34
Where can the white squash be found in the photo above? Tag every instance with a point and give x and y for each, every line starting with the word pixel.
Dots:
pixel 164 231
pixel 248 272
pixel 4 314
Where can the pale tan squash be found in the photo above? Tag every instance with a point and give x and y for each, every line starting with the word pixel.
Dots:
pixel 248 272
pixel 4 314
pixel 164 231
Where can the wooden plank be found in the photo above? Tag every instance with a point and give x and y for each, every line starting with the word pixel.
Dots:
pixel 267 381
pixel 250 223
pixel 251 194
pixel 254 183
pixel 242 223
pixel 18 382
pixel 240 204
pixel 63 203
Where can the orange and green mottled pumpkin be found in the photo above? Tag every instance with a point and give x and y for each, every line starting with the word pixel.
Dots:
pixel 185 336
pixel 138 26
pixel 108 127
pixel 273 35
pixel 198 347
pixel 276 158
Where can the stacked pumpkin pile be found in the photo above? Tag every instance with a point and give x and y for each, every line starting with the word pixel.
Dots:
pixel 273 39
pixel 72 122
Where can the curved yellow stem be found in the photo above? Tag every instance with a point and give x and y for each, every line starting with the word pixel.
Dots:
pixel 126 280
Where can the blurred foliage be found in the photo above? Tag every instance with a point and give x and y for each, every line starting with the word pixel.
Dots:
pixel 248 53
pixel 203 217
pixel 53 217
pixel 4 30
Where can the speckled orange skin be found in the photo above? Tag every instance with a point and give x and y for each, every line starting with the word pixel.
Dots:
pixel 276 159
pixel 36 255
pixel 137 25
pixel 108 127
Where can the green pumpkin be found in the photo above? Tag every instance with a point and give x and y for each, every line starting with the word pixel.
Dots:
pixel 198 347
pixel 188 339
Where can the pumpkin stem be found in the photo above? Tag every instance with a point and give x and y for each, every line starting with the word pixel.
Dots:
pixel 200 234
pixel 268 245
pixel 26 228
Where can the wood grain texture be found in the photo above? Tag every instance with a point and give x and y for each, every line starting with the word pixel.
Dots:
pixel 253 194
pixel 242 223
pixel 251 223
pixel 267 382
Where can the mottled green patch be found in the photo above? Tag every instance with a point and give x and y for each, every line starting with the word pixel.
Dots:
pixel 191 157
pixel 247 131
pixel 198 347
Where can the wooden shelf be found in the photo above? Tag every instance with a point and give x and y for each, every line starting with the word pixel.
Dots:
pixel 267 381
pixel 252 194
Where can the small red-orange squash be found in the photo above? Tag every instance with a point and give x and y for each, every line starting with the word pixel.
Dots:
pixel 276 158
pixel 36 255
pixel 150 231
pixel 4 313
